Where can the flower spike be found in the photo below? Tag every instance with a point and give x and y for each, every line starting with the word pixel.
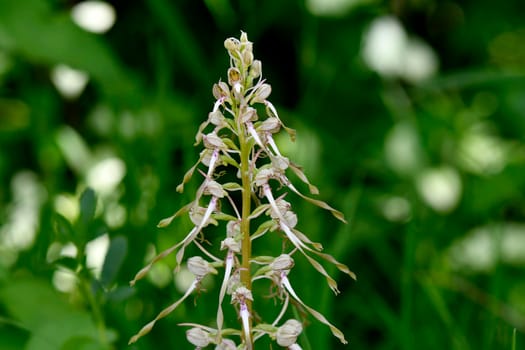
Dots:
pixel 238 158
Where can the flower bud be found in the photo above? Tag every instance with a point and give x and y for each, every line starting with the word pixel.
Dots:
pixel 233 228
pixel 249 115
pixel 291 219
pixel 247 46
pixel 226 344
pixel 231 244
pixel 244 37
pixel 212 141
pixel 206 155
pixel 247 57
pixel 233 283
pixel 220 90
pixel 282 263
pixel 283 207
pixel 241 294
pixel 287 334
pixel 200 267
pixel 263 176
pixel 198 337
pixel 255 69
pixel 262 93
pixel 232 44
pixel 271 125
pixel 280 163
pixel 217 118
pixel 197 214
pixel 215 189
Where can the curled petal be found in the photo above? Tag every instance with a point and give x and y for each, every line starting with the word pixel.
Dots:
pixel 335 331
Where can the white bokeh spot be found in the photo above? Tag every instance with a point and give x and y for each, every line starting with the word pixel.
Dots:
pixel 440 188
pixel 68 81
pixel 105 175
pixel 391 52
pixel 94 16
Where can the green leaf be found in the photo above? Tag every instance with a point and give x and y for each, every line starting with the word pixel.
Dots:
pixel 120 293
pixel 45 314
pixel 63 228
pixel 232 186
pixel 82 343
pixel 88 205
pixel 57 35
pixel 117 251
pixel 12 335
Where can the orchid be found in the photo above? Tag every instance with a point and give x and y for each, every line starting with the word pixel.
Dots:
pixel 238 137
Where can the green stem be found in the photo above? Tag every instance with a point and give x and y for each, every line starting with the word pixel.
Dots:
pixel 95 310
pixel 246 249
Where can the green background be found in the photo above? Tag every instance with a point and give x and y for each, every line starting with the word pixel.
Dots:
pixel 430 275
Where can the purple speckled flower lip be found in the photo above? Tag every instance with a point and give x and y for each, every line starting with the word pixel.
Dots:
pixel 238 137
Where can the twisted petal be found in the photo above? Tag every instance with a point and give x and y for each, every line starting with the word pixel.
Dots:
pixel 224 286
pixel 301 246
pixel 184 243
pixel 190 237
pixel 245 317
pixel 336 213
pixel 147 328
pixel 272 112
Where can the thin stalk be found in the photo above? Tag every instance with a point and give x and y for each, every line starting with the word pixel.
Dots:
pixel 246 248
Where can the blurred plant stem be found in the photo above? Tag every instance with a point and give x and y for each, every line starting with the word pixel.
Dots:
pixel 96 310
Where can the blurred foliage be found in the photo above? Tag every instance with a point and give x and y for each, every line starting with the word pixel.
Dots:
pixel 430 172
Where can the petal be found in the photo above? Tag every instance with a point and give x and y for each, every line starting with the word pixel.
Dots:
pixel 147 328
